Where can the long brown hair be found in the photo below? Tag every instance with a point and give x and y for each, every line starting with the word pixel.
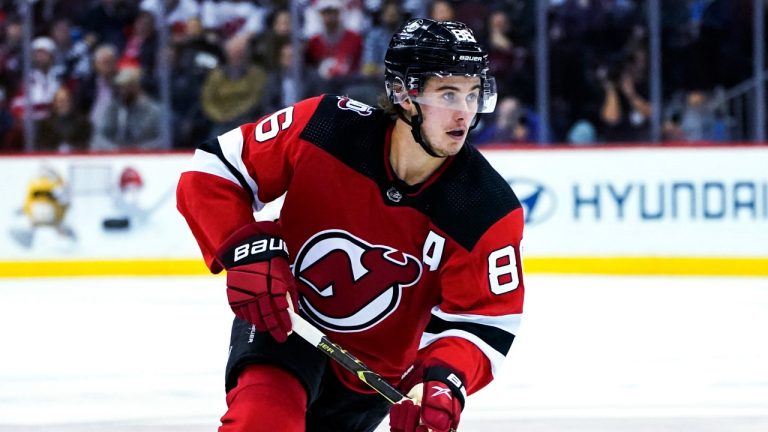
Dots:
pixel 387 106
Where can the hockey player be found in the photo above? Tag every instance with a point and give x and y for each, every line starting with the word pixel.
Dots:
pixel 396 239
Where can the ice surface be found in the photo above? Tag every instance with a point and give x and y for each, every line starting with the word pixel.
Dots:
pixel 594 354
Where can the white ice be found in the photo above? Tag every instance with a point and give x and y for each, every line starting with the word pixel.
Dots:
pixel 593 354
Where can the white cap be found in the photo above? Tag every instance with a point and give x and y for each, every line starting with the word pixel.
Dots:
pixel 44 43
pixel 330 4
pixel 128 74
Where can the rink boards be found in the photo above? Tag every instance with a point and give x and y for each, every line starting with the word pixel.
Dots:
pixel 613 210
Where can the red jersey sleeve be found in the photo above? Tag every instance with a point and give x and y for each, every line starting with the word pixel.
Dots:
pixel 235 174
pixel 472 329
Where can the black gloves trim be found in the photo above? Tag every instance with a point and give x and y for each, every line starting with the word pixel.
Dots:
pixel 449 378
pixel 254 249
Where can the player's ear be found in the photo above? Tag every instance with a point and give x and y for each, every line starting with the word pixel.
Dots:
pixel 408 106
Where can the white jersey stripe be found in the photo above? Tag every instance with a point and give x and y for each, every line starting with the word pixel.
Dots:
pixel 509 323
pixel 232 148
pixel 231 144
pixel 496 358
pixel 209 163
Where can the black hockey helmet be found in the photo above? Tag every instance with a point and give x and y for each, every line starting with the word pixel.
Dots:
pixel 423 47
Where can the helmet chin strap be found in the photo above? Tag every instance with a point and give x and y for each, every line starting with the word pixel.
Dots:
pixel 415 123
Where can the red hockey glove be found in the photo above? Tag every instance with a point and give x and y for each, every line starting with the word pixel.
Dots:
pixel 259 278
pixel 439 398
pixel 404 417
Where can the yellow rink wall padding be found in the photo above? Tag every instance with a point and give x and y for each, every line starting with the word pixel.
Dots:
pixel 649 266
pixel 103 268
pixel 554 265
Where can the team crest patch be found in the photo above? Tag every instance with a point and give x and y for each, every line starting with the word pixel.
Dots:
pixel 346 103
pixel 353 285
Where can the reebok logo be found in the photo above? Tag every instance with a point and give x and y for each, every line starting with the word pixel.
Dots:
pixel 441 391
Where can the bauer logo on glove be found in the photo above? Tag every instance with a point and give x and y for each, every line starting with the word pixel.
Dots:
pixel 271 244
pixel 260 286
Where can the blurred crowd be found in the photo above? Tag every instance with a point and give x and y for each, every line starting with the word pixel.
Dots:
pixel 96 80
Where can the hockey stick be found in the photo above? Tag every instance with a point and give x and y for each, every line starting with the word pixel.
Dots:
pixel 311 334
pixel 314 336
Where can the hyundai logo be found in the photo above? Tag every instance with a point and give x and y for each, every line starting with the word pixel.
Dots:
pixel 538 201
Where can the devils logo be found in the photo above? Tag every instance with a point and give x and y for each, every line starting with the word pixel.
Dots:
pixel 362 109
pixel 353 285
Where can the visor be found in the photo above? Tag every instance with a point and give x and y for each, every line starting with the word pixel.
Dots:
pixel 482 101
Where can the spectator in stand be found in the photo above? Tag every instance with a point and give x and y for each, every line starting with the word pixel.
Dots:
pixel 699 120
pixel 335 52
pixel 351 13
pixel 512 123
pixel 188 123
pixel 696 119
pixel 96 91
pixel 176 14
pixel 141 48
pixel 583 35
pixel 671 130
pixel 377 39
pixel 106 20
pixel 6 124
pixel 229 18
pixel 231 92
pixel 510 63
pixel 625 109
pixel 44 81
pixel 133 119
pixel 266 46
pixel 442 10
pixel 499 35
pixel 280 90
pixel 66 129
pixel 194 57
pixel 10 55
pixel 582 133
pixel 72 59
pixel 198 50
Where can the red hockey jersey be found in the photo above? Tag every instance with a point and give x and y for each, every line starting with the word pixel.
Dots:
pixel 391 272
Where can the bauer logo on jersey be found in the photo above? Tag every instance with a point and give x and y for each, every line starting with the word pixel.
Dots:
pixel 353 285
pixel 346 103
